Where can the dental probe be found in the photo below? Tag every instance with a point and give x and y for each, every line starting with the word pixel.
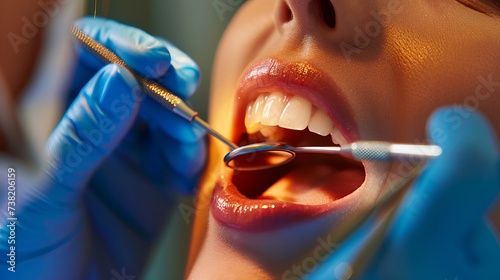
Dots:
pixel 152 88
pixel 264 155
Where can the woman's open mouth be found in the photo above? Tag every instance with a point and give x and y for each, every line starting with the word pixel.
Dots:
pixel 295 104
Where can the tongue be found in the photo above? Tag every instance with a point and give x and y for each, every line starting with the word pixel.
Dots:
pixel 317 184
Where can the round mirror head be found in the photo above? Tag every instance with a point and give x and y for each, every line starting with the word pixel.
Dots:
pixel 259 156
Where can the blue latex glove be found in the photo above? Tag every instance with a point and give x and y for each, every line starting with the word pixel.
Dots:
pixel 115 162
pixel 441 230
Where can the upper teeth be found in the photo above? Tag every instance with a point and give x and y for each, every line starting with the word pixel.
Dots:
pixel 293 112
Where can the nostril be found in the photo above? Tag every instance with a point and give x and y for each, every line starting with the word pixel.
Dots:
pixel 328 13
pixel 286 14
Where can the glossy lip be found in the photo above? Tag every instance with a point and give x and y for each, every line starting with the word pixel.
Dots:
pixel 229 207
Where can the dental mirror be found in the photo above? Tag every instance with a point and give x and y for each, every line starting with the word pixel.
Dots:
pixel 259 156
pixel 267 155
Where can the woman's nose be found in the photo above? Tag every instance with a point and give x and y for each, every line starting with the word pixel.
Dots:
pixel 354 28
pixel 305 15
pixel 337 20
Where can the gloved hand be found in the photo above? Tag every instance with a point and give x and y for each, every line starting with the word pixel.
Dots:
pixel 441 230
pixel 115 162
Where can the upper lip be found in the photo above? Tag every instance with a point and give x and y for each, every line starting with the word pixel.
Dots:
pixel 296 78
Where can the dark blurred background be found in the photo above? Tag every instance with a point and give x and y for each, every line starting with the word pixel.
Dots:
pixel 194 26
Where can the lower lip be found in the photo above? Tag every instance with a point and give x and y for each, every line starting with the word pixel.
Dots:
pixel 233 210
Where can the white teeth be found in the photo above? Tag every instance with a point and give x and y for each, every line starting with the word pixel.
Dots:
pixel 320 123
pixel 296 114
pixel 257 107
pixel 275 104
pixel 268 131
pixel 277 109
pixel 250 123
pixel 337 137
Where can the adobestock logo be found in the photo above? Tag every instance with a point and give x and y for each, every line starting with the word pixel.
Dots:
pixel 31 26
pixel 323 249
pixel 92 139
pixel 224 6
pixel 372 29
